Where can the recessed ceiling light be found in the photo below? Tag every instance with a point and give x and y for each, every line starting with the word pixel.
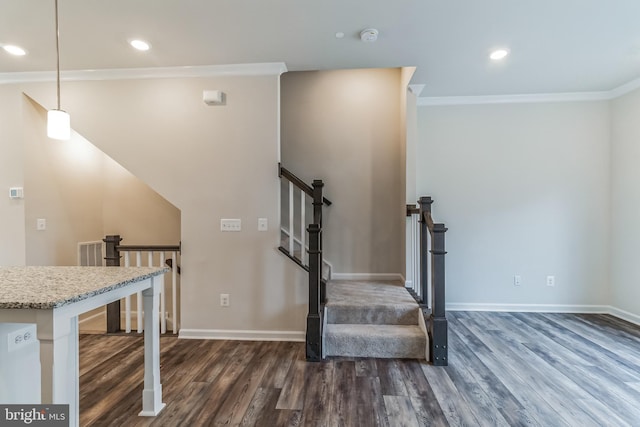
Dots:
pixel 339 35
pixel 499 54
pixel 140 45
pixel 14 50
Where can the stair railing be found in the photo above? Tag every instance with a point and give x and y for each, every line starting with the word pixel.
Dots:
pixel 309 255
pixel 426 275
pixel 156 255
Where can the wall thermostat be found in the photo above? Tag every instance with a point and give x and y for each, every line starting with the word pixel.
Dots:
pixel 16 193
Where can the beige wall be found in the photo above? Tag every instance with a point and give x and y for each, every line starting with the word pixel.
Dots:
pixel 344 127
pixel 625 203
pixel 12 226
pixel 523 189
pixel 136 212
pixel 63 183
pixel 211 163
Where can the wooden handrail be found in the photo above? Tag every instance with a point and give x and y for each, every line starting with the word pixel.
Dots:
pixel 412 210
pixel 152 248
pixel 284 172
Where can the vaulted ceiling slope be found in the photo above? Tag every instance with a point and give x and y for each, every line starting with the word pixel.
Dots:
pixel 555 45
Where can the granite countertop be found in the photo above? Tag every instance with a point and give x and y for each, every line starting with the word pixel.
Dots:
pixel 52 287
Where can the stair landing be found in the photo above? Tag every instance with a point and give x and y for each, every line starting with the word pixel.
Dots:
pixel 373 319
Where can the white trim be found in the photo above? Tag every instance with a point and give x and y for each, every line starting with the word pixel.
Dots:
pixel 625 88
pixel 536 308
pixel 547 308
pixel 531 98
pixel 258 69
pixel 624 315
pixel 408 284
pixel 416 89
pixel 239 335
pixel 515 99
pixel 367 276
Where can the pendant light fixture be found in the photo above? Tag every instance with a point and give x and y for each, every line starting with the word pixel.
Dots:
pixel 58 121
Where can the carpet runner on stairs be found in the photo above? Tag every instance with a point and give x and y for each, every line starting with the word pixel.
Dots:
pixel 373 319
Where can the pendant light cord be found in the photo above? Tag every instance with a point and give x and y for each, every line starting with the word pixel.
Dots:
pixel 57 55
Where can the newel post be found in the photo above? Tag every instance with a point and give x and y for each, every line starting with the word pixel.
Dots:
pixel 425 209
pixel 314 320
pixel 317 219
pixel 112 259
pixel 438 321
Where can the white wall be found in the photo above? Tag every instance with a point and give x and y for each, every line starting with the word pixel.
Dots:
pixel 625 203
pixel 524 190
pixel 344 127
pixel 12 226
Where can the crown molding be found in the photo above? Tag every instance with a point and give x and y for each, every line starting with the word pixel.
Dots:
pixel 258 69
pixel 514 99
pixel 625 88
pixel 531 98
pixel 416 89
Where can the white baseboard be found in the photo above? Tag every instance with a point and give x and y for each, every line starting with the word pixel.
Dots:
pixel 547 308
pixel 239 335
pixel 624 315
pixel 367 276
pixel 535 308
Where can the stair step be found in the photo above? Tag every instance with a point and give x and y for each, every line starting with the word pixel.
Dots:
pixel 370 303
pixel 382 314
pixel 380 341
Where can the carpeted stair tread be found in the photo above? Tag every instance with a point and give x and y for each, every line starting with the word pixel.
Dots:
pixel 372 319
pixel 381 341
pixel 370 303
pixel 352 292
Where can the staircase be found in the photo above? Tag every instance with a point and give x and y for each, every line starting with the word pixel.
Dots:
pixel 373 319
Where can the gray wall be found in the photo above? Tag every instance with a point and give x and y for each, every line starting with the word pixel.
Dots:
pixel 625 202
pixel 524 190
pixel 344 128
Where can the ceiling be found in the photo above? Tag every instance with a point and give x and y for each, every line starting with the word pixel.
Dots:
pixel 556 45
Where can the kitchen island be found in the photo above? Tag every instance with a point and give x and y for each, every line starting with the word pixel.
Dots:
pixel 53 297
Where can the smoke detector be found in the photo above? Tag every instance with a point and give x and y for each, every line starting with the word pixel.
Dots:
pixel 369 35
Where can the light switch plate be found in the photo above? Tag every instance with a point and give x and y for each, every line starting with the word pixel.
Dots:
pixel 230 224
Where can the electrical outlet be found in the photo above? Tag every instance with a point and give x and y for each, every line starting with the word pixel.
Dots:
pixel 517 280
pixel 224 300
pixel 41 224
pixel 551 280
pixel 230 225
pixel 21 337
pixel 263 224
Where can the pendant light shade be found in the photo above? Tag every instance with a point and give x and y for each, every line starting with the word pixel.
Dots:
pixel 58 121
pixel 58 124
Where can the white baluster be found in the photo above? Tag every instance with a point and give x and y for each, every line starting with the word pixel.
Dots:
pixel 127 299
pixel 139 296
pixel 303 223
pixel 291 211
pixel 174 281
pixel 163 317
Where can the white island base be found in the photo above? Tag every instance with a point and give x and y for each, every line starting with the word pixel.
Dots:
pixel 53 297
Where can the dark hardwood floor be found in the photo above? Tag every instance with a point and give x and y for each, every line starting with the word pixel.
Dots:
pixel 505 369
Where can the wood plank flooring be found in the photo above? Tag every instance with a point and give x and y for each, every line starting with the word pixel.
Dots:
pixel 505 369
